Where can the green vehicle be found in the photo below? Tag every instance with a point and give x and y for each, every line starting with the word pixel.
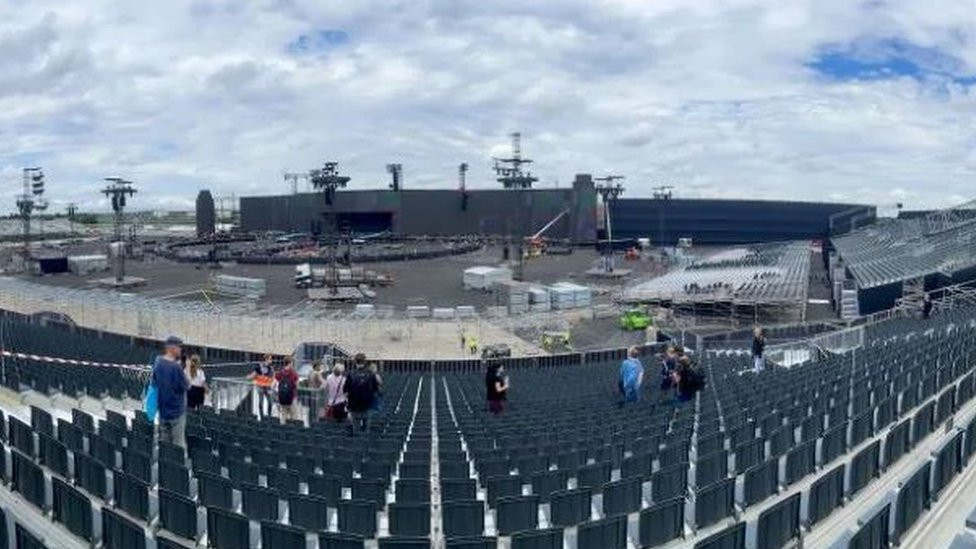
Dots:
pixel 635 319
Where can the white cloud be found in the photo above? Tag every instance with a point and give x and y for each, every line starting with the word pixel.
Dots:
pixel 714 97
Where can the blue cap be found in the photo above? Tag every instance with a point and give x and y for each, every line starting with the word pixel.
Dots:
pixel 173 341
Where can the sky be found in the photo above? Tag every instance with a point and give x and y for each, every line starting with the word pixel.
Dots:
pixel 834 100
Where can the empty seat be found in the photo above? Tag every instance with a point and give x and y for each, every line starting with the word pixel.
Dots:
pixel 214 491
pixel 119 532
pixel 463 518
pixel 409 519
pixel 226 529
pixel 873 532
pixel 779 524
pixel 308 512
pixel 517 514
pixel 357 517
pixel 826 494
pixel 594 475
pixel 733 537
pixel 551 538
pixel 330 540
pixel 177 514
pixel 546 483
pixel 414 491
pixel 622 497
pixel 28 479
pixel 662 522
pixel 71 508
pixel 25 539
pixel 459 489
pixel 174 477
pixel 503 486
pixel 280 536
pixel 404 543
pixel 669 483
pixel 569 507
pixel 328 487
pixel 131 495
pixel 608 533
pixel 259 503
pixel 369 490
pixel 283 480
pixel 475 543
pixel 90 475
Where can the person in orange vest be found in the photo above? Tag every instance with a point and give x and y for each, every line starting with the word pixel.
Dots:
pixel 264 377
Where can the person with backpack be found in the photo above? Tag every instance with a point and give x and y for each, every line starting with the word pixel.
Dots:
pixel 688 379
pixel 669 363
pixel 361 389
pixel 172 383
pixel 287 382
pixel 631 376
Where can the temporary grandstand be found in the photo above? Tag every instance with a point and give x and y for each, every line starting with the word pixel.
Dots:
pixel 760 282
pixel 896 259
pixel 866 443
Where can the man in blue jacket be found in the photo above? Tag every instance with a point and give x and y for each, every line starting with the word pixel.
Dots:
pixel 172 383
pixel 631 376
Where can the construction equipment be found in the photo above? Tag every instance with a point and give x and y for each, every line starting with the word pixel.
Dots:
pixel 635 319
pixel 537 243
pixel 556 342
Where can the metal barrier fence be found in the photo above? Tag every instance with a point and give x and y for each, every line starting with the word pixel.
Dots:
pixel 242 396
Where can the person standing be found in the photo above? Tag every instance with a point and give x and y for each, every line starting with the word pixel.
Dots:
pixel 198 384
pixel 687 379
pixel 335 393
pixel 496 388
pixel 758 349
pixel 927 306
pixel 263 377
pixel 315 379
pixel 287 382
pixel 378 399
pixel 631 376
pixel 669 364
pixel 172 382
pixel 361 388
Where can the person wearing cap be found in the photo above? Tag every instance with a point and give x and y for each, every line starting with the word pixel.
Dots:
pixel 172 383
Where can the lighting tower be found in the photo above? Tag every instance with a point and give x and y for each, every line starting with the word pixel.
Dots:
pixel 663 195
pixel 396 174
pixel 27 201
pixel 509 170
pixel 118 190
pixel 609 191
pixel 72 209
pixel 462 184
pixel 327 181
pixel 292 178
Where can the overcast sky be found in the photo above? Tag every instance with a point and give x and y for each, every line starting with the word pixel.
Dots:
pixel 842 100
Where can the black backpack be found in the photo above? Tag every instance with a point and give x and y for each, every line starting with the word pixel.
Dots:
pixel 360 386
pixel 286 391
pixel 696 379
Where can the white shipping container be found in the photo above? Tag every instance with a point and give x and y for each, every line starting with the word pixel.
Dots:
pixel 484 278
pixel 85 264
pixel 443 313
